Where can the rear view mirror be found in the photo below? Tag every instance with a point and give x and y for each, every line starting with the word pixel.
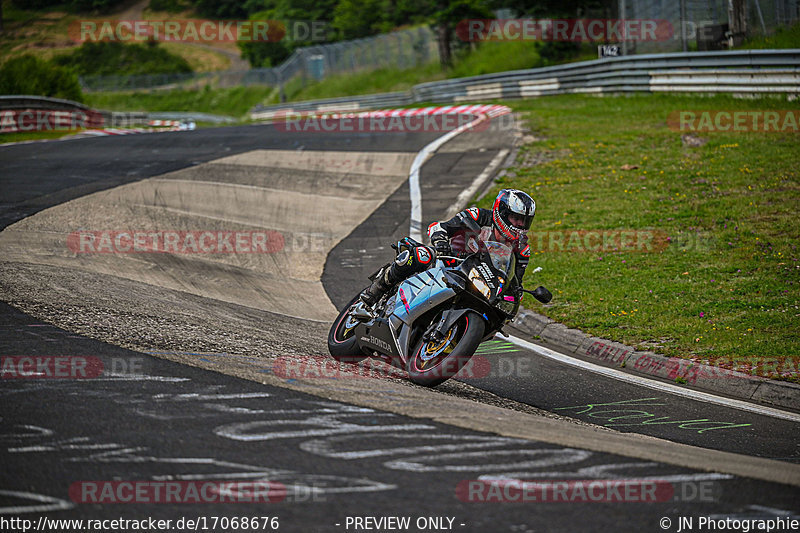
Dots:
pixel 542 294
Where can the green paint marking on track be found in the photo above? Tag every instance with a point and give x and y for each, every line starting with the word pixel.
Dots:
pixel 626 413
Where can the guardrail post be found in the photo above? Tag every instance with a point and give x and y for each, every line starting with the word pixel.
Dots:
pixel 684 44
pixel 622 16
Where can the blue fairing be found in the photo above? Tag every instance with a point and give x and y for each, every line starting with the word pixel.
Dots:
pixel 422 292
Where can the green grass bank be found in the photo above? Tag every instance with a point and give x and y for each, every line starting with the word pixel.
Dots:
pixel 725 288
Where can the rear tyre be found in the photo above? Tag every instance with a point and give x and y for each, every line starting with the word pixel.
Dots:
pixel 342 341
pixel 434 363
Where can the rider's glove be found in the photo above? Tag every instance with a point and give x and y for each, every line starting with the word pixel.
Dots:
pixel 518 293
pixel 441 243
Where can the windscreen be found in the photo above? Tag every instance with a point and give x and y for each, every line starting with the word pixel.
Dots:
pixel 500 254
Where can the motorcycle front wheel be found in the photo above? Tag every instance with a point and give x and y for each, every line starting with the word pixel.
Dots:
pixel 433 363
pixel 342 341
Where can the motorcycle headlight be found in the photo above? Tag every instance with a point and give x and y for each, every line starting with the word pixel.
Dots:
pixel 506 306
pixel 477 281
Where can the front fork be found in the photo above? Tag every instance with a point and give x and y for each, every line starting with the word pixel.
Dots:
pixel 437 331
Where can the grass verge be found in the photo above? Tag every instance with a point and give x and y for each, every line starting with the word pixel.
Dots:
pixel 486 58
pixel 376 81
pixel 783 37
pixel 33 136
pixel 726 289
pixel 235 102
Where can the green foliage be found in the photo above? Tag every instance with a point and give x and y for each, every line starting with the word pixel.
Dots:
pixel 296 19
pixel 115 58
pixel 501 56
pixel 556 52
pixel 375 81
pixel 725 287
pixel 265 53
pixel 30 75
pixel 308 10
pixel 102 6
pixel 33 135
pixel 234 102
pixel 784 37
pixel 226 9
pixel 446 18
pixel 35 4
pixel 552 8
pixel 354 19
pixel 170 6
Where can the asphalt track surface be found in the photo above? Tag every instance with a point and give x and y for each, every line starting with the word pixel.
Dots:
pixel 518 374
pixel 153 419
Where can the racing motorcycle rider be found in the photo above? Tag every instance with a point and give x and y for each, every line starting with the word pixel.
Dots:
pixel 507 222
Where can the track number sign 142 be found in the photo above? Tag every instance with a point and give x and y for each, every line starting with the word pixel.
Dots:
pixel 609 50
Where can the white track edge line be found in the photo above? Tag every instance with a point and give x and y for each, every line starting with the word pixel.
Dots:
pixel 655 385
pixel 476 184
pixel 415 224
pixel 415 232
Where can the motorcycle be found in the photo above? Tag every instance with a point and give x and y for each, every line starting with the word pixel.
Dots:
pixel 431 323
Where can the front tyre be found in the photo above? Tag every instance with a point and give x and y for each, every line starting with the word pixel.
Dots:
pixel 342 341
pixel 434 363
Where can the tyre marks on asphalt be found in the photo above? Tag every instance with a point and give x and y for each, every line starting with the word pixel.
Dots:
pixel 233 430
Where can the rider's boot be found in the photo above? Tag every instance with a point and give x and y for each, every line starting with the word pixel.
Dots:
pixel 380 286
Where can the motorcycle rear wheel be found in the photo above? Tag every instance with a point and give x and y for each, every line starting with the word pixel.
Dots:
pixel 342 341
pixel 434 363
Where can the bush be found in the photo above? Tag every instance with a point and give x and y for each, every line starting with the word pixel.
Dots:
pixel 556 52
pixel 30 75
pixel 115 58
pixel 226 9
pixel 73 5
pixel 171 6
pixel 784 37
pixel 32 5
pixel 500 56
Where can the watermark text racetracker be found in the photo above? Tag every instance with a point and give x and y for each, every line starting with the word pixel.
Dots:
pixel 381 122
pixel 68 367
pixel 617 240
pixel 176 492
pixel 199 31
pixel 509 490
pixel 12 121
pixel 735 121
pixel 194 242
pixel 323 367
pixel 568 30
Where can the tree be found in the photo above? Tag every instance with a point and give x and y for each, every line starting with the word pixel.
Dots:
pixel 267 53
pixel 355 19
pixel 554 8
pixel 294 18
pixel 737 16
pixel 448 14
pixel 225 9
pixel 28 74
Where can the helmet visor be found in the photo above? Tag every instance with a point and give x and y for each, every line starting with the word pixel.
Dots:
pixel 518 221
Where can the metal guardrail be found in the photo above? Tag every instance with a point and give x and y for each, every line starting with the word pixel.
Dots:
pixel 98 118
pixel 346 103
pixel 26 101
pixel 23 113
pixel 737 71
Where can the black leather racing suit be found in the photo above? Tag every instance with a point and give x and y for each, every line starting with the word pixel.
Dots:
pixel 477 222
pixel 413 257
